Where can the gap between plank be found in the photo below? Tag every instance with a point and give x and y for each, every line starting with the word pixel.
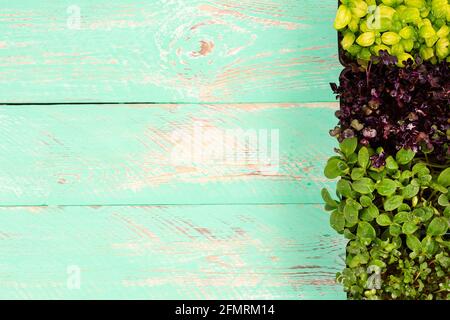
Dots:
pixel 150 103
pixel 159 205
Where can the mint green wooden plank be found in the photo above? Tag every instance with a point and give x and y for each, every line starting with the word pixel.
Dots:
pixel 167 51
pixel 163 154
pixel 175 252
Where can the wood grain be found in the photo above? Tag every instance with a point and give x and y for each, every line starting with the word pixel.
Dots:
pixel 170 252
pixel 163 154
pixel 167 51
pixel 161 200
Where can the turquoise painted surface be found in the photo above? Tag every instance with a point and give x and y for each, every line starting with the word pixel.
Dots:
pixel 170 252
pixel 167 51
pixel 128 195
pixel 162 154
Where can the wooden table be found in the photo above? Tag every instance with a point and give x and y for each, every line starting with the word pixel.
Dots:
pixel 114 118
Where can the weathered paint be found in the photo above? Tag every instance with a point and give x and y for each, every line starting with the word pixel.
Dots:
pixel 161 154
pixel 137 223
pixel 167 51
pixel 169 252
